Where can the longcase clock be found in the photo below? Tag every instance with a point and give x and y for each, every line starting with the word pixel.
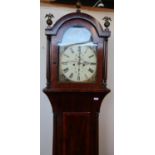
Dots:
pixel 77 49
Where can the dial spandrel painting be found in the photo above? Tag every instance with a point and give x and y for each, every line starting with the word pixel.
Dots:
pixel 77 56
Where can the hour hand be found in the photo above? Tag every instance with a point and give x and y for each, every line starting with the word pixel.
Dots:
pixel 89 63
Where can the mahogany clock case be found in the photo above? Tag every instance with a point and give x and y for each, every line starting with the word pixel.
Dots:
pixel 76 106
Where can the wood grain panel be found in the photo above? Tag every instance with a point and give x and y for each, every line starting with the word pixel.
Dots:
pixel 76 133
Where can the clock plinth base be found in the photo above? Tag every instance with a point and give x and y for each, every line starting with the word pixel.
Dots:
pixel 75 121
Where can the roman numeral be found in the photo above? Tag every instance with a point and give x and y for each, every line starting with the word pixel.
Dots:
pixel 66 70
pixel 66 55
pixel 91 56
pixel 90 70
pixel 79 48
pixel 72 50
pixel 92 63
pixel 64 63
pixel 71 75
pixel 78 78
pixel 86 51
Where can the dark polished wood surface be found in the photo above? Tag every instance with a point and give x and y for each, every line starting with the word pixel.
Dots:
pixel 76 122
pixel 76 106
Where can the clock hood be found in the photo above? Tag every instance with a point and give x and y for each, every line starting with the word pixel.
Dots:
pixel 72 16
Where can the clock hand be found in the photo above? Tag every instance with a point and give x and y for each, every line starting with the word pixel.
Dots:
pixel 71 61
pixel 79 62
pixel 88 63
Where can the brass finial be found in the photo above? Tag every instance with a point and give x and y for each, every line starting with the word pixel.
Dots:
pixel 107 21
pixel 78 6
pixel 49 19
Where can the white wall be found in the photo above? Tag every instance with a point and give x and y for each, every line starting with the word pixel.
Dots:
pixel 106 123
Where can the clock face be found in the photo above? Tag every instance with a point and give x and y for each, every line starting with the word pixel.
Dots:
pixel 77 63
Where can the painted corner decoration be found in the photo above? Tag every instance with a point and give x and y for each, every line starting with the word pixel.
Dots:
pixel 49 19
pixel 107 21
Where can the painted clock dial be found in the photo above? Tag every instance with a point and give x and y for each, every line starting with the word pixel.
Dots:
pixel 77 56
pixel 78 63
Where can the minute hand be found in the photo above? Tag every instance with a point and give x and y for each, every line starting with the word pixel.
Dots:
pixel 71 61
